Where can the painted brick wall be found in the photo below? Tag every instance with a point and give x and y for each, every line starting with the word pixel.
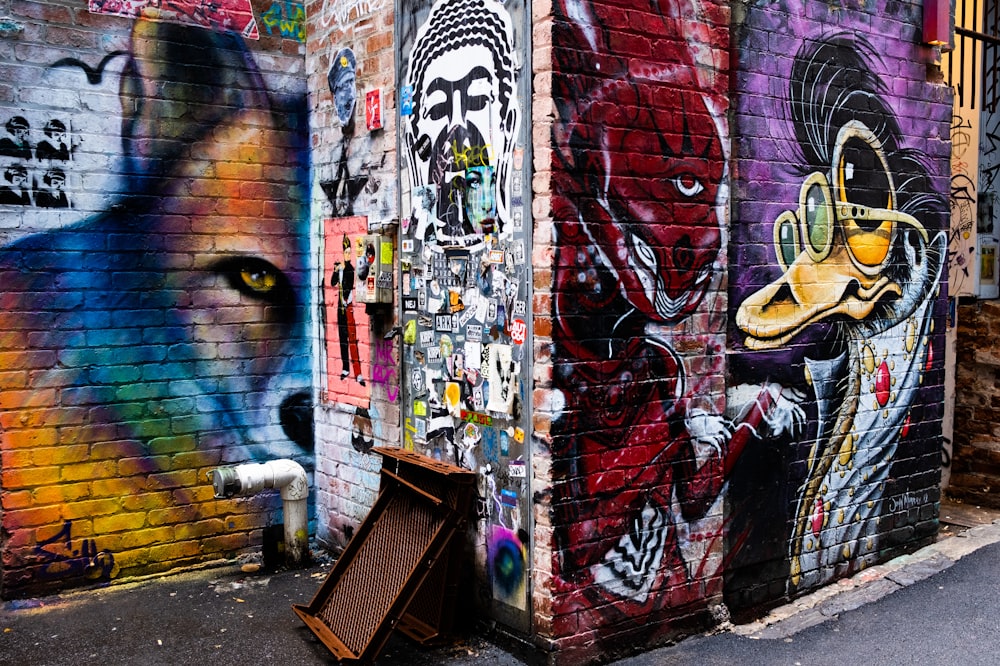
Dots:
pixel 350 54
pixel 154 266
pixel 844 316
pixel 637 185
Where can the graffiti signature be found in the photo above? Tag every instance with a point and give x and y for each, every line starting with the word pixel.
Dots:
pixel 63 560
pixel 289 19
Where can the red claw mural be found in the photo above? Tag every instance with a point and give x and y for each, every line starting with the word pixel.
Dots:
pixel 642 447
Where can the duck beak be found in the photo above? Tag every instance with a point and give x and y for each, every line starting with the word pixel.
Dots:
pixel 809 292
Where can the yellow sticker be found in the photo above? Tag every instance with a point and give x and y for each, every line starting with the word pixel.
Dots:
pixel 386 251
pixel 419 408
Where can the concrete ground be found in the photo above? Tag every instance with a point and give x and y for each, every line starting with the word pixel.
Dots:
pixel 940 605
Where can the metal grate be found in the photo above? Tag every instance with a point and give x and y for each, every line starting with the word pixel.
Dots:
pixel 398 563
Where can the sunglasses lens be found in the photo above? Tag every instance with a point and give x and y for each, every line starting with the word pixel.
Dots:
pixel 819 226
pixel 862 176
pixel 788 244
pixel 864 180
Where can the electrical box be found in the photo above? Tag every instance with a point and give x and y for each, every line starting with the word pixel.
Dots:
pixel 375 270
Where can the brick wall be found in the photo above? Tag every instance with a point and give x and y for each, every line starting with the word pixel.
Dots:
pixel 639 442
pixel 350 54
pixel 835 105
pixel 155 266
pixel 974 471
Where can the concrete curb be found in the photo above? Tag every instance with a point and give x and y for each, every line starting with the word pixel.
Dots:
pixel 868 585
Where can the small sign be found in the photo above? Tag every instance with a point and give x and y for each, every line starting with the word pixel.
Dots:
pixel 373 109
pixel 518 331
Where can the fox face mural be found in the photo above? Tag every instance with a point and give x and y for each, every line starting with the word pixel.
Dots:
pixel 167 335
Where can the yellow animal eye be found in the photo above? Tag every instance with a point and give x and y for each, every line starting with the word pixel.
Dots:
pixel 261 281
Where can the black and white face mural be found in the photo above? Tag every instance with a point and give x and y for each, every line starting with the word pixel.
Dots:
pixel 465 274
pixel 463 121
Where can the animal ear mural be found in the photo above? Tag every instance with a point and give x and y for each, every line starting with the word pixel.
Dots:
pixel 164 336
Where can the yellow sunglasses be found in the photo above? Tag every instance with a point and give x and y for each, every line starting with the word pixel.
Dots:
pixel 863 180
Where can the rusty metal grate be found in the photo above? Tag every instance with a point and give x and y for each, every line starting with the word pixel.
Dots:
pixel 397 567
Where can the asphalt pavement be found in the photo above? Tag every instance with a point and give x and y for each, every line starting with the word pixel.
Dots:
pixel 940 605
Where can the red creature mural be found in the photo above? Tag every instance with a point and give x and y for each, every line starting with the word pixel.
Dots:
pixel 642 449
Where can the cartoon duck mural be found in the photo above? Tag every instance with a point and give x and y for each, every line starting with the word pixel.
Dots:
pixel 857 254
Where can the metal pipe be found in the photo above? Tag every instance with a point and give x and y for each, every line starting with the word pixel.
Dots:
pixel 286 475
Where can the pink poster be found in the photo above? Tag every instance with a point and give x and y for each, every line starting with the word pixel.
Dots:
pixel 345 323
pixel 235 15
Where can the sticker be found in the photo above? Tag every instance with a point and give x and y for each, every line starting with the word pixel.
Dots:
pixel 410 332
pixel 477 399
pixel 518 220
pixel 504 443
pixel 496 256
pixel 464 318
pixel 519 435
pixel 517 469
pixel 407 245
pixel 406 101
pixel 518 253
pixel 502 379
pixel 419 408
pixel 410 304
pixel 518 331
pixel 474 333
pixel 491 312
pixel 421 429
pixel 384 280
pixel 471 434
pixel 417 381
pixel 476 417
pixel 520 307
pixel 433 354
pixel 443 323
pixel 508 498
pixel 426 338
pixel 473 356
pixel 452 396
pixel 421 299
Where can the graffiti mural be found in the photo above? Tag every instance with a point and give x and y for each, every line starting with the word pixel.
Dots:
pixel 164 336
pixel 235 15
pixel 464 265
pixel 346 329
pixel 852 313
pixel 643 446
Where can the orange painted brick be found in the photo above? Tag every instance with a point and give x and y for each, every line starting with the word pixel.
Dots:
pixel 174 514
pixel 61 493
pixel 145 537
pixel 117 487
pixel 147 500
pixel 89 470
pixel 175 551
pixel 88 508
pixel 28 477
pixel 32 517
pixel 32 437
pixel 119 522
pixel 196 530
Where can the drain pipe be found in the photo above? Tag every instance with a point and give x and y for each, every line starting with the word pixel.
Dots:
pixel 290 477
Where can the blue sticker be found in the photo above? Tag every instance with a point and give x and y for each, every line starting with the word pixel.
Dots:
pixel 406 101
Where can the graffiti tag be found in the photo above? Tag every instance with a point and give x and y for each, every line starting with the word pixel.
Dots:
pixel 62 560
pixel 384 369
pixel 289 18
